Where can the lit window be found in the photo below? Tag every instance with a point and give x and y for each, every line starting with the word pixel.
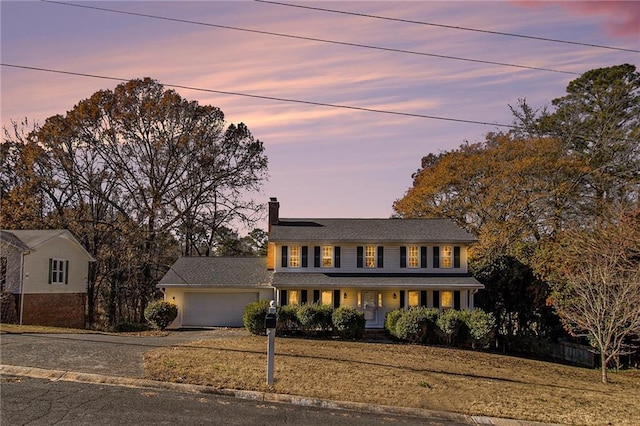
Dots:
pixel 327 297
pixel 327 257
pixel 414 257
pixel 446 257
pixel 58 269
pixel 370 256
pixel 293 298
pixel 414 298
pixel 446 298
pixel 294 257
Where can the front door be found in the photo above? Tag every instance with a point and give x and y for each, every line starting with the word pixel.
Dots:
pixel 371 309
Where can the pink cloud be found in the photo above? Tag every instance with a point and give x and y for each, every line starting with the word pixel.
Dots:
pixel 621 18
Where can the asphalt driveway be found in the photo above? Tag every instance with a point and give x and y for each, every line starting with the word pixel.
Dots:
pixel 109 354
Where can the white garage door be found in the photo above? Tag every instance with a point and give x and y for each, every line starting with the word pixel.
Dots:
pixel 215 309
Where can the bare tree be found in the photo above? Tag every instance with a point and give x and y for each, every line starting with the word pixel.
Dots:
pixel 597 277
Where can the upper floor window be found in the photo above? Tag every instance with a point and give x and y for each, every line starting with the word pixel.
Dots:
pixel 294 257
pixel 327 257
pixel 446 257
pixel 414 257
pixel 370 256
pixel 58 271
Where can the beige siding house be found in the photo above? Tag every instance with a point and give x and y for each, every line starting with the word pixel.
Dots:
pixel 46 271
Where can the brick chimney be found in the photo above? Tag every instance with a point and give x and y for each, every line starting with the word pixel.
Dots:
pixel 274 212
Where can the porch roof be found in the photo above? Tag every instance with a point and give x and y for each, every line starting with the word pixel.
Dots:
pixel 333 280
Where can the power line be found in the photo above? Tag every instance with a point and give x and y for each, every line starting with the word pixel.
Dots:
pixel 319 40
pixel 454 27
pixel 271 98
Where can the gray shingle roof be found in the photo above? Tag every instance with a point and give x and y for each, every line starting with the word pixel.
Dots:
pixel 9 237
pixel 369 230
pixel 333 280
pixel 244 272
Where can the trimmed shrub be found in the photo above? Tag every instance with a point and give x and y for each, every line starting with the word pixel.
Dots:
pixel 254 315
pixel 450 323
pixel 412 325
pixel 348 323
pixel 480 325
pixel 315 318
pixel 160 313
pixel 288 322
pixel 390 321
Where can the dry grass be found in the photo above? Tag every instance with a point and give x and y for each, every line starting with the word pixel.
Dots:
pixel 19 329
pixel 433 378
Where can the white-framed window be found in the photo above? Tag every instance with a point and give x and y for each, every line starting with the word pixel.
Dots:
pixel 370 256
pixel 326 297
pixel 414 299
pixel 294 256
pixel 413 260
pixel 327 256
pixel 446 299
pixel 58 271
pixel 446 257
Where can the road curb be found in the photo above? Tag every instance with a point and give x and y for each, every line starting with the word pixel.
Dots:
pixel 71 376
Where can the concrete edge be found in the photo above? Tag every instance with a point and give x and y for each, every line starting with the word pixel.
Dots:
pixel 70 376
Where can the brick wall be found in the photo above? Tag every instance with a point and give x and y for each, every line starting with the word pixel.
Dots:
pixel 58 310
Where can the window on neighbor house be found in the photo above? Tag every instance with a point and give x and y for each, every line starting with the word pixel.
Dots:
pixel 293 298
pixel 58 271
pixel 370 256
pixel 446 299
pixel 327 297
pixel 414 299
pixel 327 257
pixel 446 257
pixel 3 273
pixel 294 257
pixel 414 257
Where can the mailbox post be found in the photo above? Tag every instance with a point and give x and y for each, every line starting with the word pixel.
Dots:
pixel 270 325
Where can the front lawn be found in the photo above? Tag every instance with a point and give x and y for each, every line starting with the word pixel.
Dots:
pixel 428 377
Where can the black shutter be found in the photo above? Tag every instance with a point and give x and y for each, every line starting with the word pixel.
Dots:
pixel 423 298
pixel 303 297
pixel 316 296
pixel 66 272
pixel 402 298
pixel 423 257
pixel 436 257
pixel 285 253
pixel 336 299
pixel 456 300
pixel 316 257
pixel 283 297
pixel 403 257
pixel 360 256
pixel 380 257
pixel 436 299
pixel 50 269
pixel 336 257
pixel 456 256
pixel 305 256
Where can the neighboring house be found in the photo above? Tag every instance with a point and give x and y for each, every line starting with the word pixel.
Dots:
pixel 213 291
pixel 47 272
pixel 375 265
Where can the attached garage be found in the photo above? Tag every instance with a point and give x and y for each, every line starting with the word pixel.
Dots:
pixel 213 291
pixel 218 309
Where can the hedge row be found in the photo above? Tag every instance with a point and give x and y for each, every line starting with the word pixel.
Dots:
pixel 429 325
pixel 309 319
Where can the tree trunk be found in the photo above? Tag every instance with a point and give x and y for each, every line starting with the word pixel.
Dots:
pixel 603 366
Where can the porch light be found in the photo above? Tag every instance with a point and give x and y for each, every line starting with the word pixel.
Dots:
pixel 395 296
pixel 345 294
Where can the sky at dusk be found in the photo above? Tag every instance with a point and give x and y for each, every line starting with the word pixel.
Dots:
pixel 323 161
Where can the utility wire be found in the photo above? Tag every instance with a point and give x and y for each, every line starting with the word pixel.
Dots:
pixel 319 40
pixel 454 27
pixel 271 98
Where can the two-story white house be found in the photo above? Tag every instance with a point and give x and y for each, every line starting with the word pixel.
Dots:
pixel 376 265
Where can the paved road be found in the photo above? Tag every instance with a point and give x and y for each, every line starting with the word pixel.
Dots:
pixel 43 402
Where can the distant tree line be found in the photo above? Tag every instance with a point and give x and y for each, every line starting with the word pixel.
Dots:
pixel 555 203
pixel 139 175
